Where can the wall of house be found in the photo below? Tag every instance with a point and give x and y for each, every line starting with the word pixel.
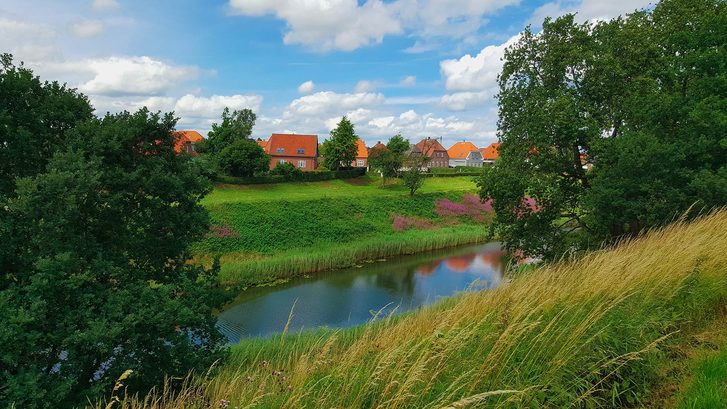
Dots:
pixel 360 163
pixel 439 160
pixel 310 163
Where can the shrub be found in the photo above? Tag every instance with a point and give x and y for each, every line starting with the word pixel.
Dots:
pixel 288 171
pixel 244 157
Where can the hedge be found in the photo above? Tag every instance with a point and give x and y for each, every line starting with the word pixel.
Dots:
pixel 314 176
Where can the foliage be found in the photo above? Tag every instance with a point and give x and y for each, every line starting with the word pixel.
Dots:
pixel 34 119
pixel 243 158
pixel 386 162
pixel 587 333
pixel 413 176
pixel 288 171
pixel 641 99
pixel 398 145
pixel 235 126
pixel 311 176
pixel 708 388
pixel 93 249
pixel 339 151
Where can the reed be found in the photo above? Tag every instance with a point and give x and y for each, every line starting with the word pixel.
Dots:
pixel 578 333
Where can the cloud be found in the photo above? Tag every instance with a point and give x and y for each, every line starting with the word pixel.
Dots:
pixel 104 5
pixel 88 28
pixel 460 101
pixel 365 86
pixel 211 107
pixel 331 103
pixel 28 41
pixel 409 81
pixel 306 87
pixel 478 73
pixel 350 24
pixel 588 10
pixel 133 76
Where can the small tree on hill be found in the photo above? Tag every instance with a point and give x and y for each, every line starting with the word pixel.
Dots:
pixel 398 145
pixel 414 174
pixel 340 150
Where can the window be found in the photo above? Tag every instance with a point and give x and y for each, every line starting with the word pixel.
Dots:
pixel 281 161
pixel 301 164
pixel 301 151
pixel 280 150
pixel 360 163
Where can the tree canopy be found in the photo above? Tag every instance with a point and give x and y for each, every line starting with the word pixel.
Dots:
pixel 640 99
pixel 93 247
pixel 339 151
pixel 235 125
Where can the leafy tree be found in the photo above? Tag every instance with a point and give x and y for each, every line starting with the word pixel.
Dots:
pixel 414 176
pixel 385 161
pixel 34 119
pixel 244 157
pixel 287 170
pixel 235 126
pixel 95 275
pixel 398 145
pixel 340 150
pixel 640 97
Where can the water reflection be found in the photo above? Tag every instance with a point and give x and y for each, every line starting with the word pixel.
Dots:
pixel 350 297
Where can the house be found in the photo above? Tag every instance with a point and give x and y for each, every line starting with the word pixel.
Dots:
pixel 362 155
pixel 263 144
pixel 490 153
pixel 300 150
pixel 186 140
pixel 464 154
pixel 438 157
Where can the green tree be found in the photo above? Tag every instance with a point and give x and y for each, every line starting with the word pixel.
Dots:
pixel 640 97
pixel 414 176
pixel 340 150
pixel 243 158
pixel 385 162
pixel 95 275
pixel 398 145
pixel 34 118
pixel 287 170
pixel 235 126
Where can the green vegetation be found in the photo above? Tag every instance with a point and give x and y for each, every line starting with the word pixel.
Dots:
pixel 654 83
pixel 708 388
pixel 587 333
pixel 261 237
pixel 340 149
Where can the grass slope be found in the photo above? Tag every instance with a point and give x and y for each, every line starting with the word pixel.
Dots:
pixel 588 333
pixel 263 234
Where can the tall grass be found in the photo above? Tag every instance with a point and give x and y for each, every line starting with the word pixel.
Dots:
pixel 294 263
pixel 584 333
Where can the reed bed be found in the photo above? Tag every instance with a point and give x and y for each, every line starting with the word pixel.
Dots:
pixel 584 333
pixel 295 263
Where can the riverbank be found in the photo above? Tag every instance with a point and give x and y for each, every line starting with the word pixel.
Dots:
pixel 263 234
pixel 591 333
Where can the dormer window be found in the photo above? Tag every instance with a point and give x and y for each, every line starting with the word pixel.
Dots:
pixel 301 151
pixel 280 150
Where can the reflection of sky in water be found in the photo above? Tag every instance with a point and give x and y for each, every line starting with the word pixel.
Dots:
pixel 350 297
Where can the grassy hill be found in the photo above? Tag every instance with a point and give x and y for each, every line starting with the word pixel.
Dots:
pixel 265 233
pixel 591 333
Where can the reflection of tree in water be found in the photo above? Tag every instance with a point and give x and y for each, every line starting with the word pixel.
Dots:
pixel 401 283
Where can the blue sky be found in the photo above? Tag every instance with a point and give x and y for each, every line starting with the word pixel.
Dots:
pixel 423 68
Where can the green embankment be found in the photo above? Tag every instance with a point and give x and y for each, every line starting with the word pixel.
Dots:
pixel 589 333
pixel 267 233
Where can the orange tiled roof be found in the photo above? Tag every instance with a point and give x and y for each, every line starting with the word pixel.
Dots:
pixel 263 144
pixel 362 152
pixel 461 150
pixel 429 146
pixel 304 146
pixel 491 152
pixel 184 137
pixel 379 145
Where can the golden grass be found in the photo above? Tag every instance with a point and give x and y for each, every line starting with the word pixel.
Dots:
pixel 581 333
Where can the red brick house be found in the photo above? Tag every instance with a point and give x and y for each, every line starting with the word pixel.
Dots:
pixel 186 141
pixel 438 156
pixel 300 150
pixel 362 155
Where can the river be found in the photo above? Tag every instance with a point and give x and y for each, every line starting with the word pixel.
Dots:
pixel 350 297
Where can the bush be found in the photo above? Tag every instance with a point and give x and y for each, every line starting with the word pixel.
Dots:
pixel 287 171
pixel 315 176
pixel 243 158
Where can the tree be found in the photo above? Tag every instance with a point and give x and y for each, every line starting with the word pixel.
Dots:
pixel 414 174
pixel 94 249
pixel 34 118
pixel 389 159
pixel 235 126
pixel 340 150
pixel 243 158
pixel 287 170
pixel 398 145
pixel 638 97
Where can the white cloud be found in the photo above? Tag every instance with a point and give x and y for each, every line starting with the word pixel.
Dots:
pixel 365 86
pixel 211 107
pixel 104 5
pixel 134 76
pixel 478 73
pixel 28 41
pixel 88 28
pixel 460 101
pixel 409 81
pixel 331 103
pixel 588 10
pixel 306 87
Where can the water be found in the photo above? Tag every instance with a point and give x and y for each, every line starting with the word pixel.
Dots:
pixel 351 297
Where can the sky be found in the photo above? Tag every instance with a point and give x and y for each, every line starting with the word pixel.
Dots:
pixel 422 68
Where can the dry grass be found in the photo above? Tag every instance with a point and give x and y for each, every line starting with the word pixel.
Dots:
pixel 585 333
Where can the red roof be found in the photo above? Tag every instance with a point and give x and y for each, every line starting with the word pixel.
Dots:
pixel 491 152
pixel 461 150
pixel 429 146
pixel 362 152
pixel 185 137
pixel 379 145
pixel 304 146
pixel 263 144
